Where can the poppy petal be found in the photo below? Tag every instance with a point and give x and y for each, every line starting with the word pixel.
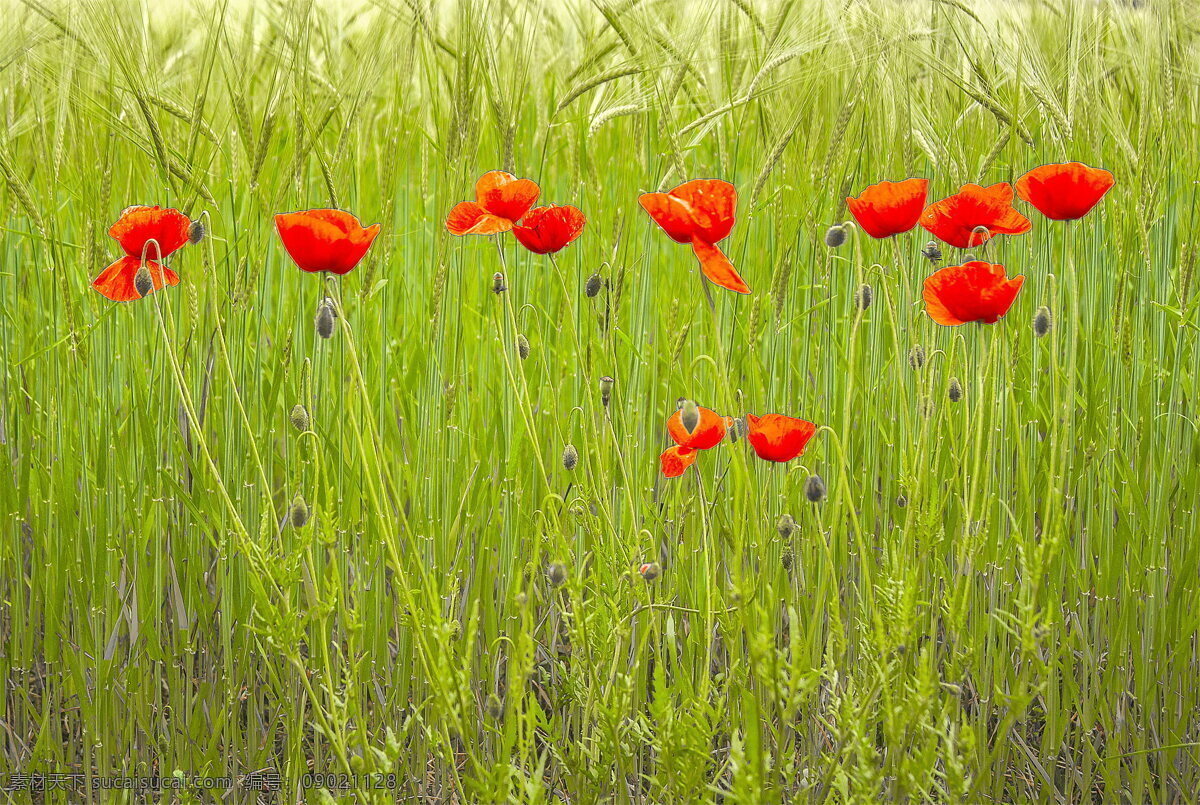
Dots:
pixel 504 195
pixel 118 281
pixel 546 230
pixel 712 203
pixel 889 208
pixel 717 268
pixel 673 215
pixel 325 240
pixel 956 219
pixel 1064 191
pixel 709 431
pixel 778 438
pixel 675 460
pixel 139 225
pixel 468 218
pixel 974 291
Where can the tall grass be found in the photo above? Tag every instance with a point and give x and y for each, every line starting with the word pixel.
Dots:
pixel 996 600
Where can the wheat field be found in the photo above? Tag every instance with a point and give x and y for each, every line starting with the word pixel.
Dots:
pixel 993 599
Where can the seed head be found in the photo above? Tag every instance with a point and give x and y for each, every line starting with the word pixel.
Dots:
pixel 570 457
pixel 689 415
pixel 324 321
pixel 786 526
pixel 498 285
pixel 787 560
pixel 592 286
pixel 196 232
pixel 1042 321
pixel 814 489
pixel 299 418
pixel 835 236
pixel 650 571
pixel 523 346
pixel 916 356
pixel 143 283
pixel 955 392
pixel 298 513
pixel 557 573
pixel 932 251
pixel 862 297
pixel 606 387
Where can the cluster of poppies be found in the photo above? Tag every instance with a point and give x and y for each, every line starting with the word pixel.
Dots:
pixel 147 235
pixel 774 437
pixel 502 203
pixel 977 290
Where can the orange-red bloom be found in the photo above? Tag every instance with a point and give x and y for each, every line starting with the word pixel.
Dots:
pixel 118 281
pixel 889 208
pixel 501 200
pixel 955 218
pixel 546 230
pixel 1065 191
pixel 974 291
pixel 709 431
pixel 700 212
pixel 139 225
pixel 325 240
pixel 776 437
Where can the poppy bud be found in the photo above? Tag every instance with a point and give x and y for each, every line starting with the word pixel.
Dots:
pixel 523 346
pixel 901 500
pixel 592 286
pixel 557 573
pixel 932 251
pixel 650 571
pixel 142 281
pixel 299 417
pixel 916 356
pixel 324 320
pixel 814 489
pixel 570 457
pixel 787 560
pixel 956 392
pixel 298 513
pixel 835 236
pixel 606 386
pixel 495 706
pixel 786 526
pixel 195 232
pixel 862 297
pixel 1042 321
pixel 689 415
pixel 968 258
pixel 737 430
pixel 498 285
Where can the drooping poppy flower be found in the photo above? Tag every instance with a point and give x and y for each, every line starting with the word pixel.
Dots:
pixel 700 212
pixel 501 200
pixel 974 291
pixel 889 208
pixel 118 282
pixel 1064 191
pixel 325 240
pixel 140 225
pixel 546 230
pixel 708 431
pixel 956 218
pixel 779 438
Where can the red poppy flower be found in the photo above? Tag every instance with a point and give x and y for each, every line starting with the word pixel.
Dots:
pixel 708 433
pixel 955 218
pixel 700 212
pixel 776 437
pixel 974 291
pixel 546 230
pixel 139 225
pixel 889 208
pixel 676 460
pixel 325 240
pixel 501 199
pixel 118 281
pixel 1065 191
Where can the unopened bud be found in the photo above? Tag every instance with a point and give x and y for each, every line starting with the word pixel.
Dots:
pixel 298 513
pixel 932 251
pixel 557 573
pixel 1042 321
pixel 592 286
pixel 863 296
pixel 916 356
pixel 523 346
pixel 498 285
pixel 324 321
pixel 606 387
pixel 835 236
pixel 650 571
pixel 955 392
pixel 143 283
pixel 196 231
pixel 299 418
pixel 786 526
pixel 814 489
pixel 570 457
